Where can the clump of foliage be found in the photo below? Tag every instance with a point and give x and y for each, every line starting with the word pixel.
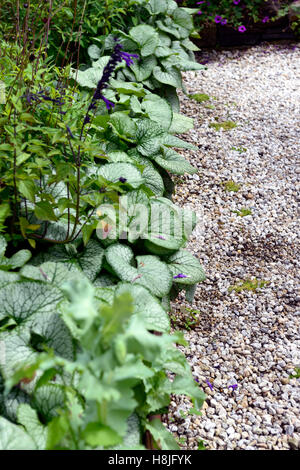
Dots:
pixel 225 125
pixel 296 374
pixel 231 186
pixel 92 247
pixel 239 149
pixel 248 285
pixel 199 97
pixel 243 212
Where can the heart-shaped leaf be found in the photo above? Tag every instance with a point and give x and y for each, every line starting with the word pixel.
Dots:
pixel 146 306
pixel 150 271
pixel 88 260
pixel 174 162
pixel 185 268
pixel 129 173
pixel 158 110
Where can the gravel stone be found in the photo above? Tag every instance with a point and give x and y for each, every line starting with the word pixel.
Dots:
pixel 245 337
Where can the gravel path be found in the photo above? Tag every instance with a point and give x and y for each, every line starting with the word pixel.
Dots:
pixel 243 330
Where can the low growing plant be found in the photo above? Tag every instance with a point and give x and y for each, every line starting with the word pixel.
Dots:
pixel 248 285
pixel 243 212
pixel 225 125
pixel 231 186
pixel 80 368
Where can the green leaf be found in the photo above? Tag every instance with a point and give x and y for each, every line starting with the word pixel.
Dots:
pixel 28 189
pixel 57 429
pixel 175 361
pixel 166 230
pixel 123 125
pixel 189 45
pixel 114 316
pixel 89 78
pixel 117 156
pixel 4 214
pixel 50 272
pixel 184 22
pixel 150 271
pixel 52 332
pixel 170 94
pixel 133 437
pixel 163 51
pixel 44 211
pixel 174 162
pixel 185 385
pixel 149 136
pixel 13 437
pixel 28 418
pixel 162 436
pixel 20 300
pixel 186 65
pixel 164 40
pixel 134 213
pixel 146 37
pixel 16 261
pixel 190 293
pixel 181 124
pixel 172 141
pixel 81 310
pixel 94 52
pixel 185 263
pixel 152 177
pixel 143 69
pixel 88 261
pixel 157 7
pixel 113 171
pixel 97 434
pixel 131 88
pixel 146 306
pixel 172 77
pixel 169 29
pixel 48 400
pixel 158 110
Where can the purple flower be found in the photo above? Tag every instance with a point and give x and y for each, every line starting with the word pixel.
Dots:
pixel 128 58
pixel 196 380
pixel 218 19
pixel 209 384
pixel 265 19
pixel 179 276
pixel 160 237
pixel 30 97
pixel 199 3
pixel 224 21
pixel 236 2
pixel 109 104
pixel 199 12
pixel 242 29
pixel 234 386
pixel 117 56
pixel 122 180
